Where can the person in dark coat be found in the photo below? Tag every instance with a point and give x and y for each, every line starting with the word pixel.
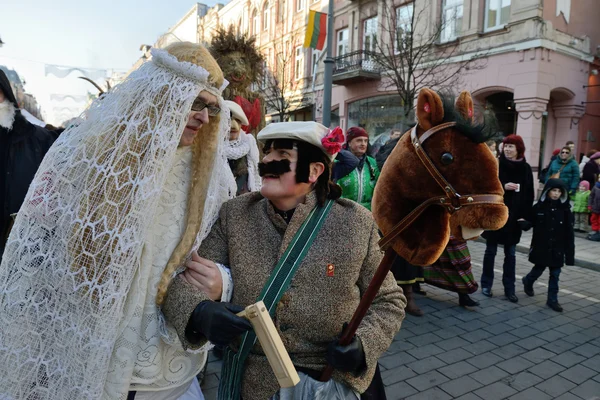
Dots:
pixel 553 242
pixel 591 170
pixel 22 148
pixel 517 180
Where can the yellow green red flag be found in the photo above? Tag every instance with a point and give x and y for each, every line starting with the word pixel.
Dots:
pixel 316 30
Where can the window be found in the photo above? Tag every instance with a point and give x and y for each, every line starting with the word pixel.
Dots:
pixel 342 42
pixel 266 16
pixel 315 62
pixel 299 63
pixel 370 34
pixel 281 10
pixel 299 5
pixel 255 22
pixel 497 13
pixel 452 14
pixel 404 21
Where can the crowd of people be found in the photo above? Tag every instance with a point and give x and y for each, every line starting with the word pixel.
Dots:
pixel 144 229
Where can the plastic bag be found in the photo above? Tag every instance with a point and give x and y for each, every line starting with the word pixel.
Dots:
pixel 310 389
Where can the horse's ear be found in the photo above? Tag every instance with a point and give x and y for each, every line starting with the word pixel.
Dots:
pixel 430 110
pixel 423 242
pixel 464 105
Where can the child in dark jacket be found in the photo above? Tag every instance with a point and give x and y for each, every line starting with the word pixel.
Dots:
pixel 553 242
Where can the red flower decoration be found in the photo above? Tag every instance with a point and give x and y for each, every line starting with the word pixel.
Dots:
pixel 332 142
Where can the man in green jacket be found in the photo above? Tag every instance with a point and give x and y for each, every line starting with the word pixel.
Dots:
pixel 359 184
pixel 567 168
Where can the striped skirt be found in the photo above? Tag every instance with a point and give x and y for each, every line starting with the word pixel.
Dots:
pixel 452 271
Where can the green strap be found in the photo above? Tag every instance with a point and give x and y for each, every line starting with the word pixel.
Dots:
pixel 280 279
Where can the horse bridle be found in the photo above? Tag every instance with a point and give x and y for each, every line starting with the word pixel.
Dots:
pixel 451 200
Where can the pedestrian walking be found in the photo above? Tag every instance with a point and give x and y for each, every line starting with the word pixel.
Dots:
pixel 553 241
pixel 566 168
pixel 516 177
pixel 594 207
pixel 581 209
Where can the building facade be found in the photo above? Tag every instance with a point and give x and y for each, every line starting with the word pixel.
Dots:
pixel 538 72
pixel 539 75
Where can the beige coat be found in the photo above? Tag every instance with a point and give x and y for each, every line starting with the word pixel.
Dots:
pixel 250 237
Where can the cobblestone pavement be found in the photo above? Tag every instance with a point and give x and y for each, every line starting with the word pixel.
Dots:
pixel 499 350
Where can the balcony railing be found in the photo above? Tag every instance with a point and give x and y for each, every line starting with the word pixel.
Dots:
pixel 355 67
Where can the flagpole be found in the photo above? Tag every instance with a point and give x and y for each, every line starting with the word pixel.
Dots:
pixel 328 80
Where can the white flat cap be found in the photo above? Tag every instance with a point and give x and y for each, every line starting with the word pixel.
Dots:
pixel 306 131
pixel 237 112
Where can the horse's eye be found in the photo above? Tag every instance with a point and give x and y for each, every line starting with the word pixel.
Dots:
pixel 447 158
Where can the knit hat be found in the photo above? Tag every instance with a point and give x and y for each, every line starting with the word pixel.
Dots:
pixel 354 133
pixel 595 156
pixel 585 184
pixel 327 140
pixel 555 152
pixel 518 142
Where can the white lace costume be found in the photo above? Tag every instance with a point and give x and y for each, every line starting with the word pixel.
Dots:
pixel 102 216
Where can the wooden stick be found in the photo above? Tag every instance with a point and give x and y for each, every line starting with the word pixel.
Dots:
pixel 363 306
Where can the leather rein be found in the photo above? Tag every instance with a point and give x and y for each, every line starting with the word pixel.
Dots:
pixel 451 200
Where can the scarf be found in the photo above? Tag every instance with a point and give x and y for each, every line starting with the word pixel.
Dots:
pixel 246 146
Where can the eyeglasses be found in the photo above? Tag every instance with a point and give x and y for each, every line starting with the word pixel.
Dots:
pixel 565 152
pixel 200 105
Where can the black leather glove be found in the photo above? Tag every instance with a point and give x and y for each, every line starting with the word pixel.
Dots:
pixel 349 358
pixel 217 322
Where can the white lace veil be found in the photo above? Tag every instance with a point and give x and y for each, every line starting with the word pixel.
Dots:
pixel 75 246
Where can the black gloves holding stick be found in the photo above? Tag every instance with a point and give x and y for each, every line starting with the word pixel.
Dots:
pixel 350 358
pixel 217 322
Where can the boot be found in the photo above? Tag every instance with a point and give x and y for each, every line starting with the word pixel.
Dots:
pixel 417 289
pixel 527 287
pixel 464 300
pixel 411 306
pixel 595 237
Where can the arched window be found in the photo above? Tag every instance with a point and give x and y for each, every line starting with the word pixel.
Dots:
pixel 266 16
pixel 255 22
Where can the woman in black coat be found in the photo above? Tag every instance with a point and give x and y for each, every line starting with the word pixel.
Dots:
pixel 517 179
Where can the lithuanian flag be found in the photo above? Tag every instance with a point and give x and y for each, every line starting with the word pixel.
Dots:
pixel 316 30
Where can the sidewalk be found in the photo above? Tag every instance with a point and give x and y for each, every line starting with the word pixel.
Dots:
pixel 500 350
pixel 587 253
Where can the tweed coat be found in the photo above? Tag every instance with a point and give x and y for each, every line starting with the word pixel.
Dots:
pixel 250 237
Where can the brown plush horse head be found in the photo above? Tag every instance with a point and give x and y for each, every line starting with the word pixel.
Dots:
pixel 464 202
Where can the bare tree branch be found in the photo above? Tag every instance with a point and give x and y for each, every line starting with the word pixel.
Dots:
pixel 412 56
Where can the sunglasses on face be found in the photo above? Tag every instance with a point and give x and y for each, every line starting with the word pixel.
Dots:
pixel 200 105
pixel 565 152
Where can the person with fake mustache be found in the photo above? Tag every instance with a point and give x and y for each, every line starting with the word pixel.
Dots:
pixel 309 255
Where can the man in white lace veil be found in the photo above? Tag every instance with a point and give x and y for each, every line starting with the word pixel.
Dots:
pixel 114 211
pixel 242 152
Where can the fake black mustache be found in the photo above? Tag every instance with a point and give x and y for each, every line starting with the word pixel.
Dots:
pixel 276 168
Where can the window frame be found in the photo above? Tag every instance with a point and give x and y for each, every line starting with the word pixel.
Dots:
pixel 364 35
pixel 299 5
pixel 499 25
pixel 314 61
pixel 255 22
pixel 345 42
pixel 266 16
pixel 404 6
pixel 298 63
pixel 455 34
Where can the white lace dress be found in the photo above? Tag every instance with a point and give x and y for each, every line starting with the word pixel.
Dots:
pixel 148 355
